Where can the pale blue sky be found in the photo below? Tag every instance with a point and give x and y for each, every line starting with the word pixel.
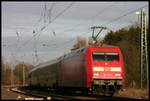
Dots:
pixel 23 17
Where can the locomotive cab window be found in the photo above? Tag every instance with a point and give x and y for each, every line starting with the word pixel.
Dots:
pixel 113 57
pixel 98 56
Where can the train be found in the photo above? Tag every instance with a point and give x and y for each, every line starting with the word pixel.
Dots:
pixel 92 69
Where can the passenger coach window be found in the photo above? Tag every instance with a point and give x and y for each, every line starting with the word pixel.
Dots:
pixel 112 57
pixel 98 57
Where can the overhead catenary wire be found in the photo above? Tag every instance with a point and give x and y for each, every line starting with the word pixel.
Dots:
pixel 126 14
pixel 48 24
pixel 116 19
pixel 91 18
pixel 45 11
pixel 64 11
pixel 42 28
pixel 50 12
pixel 67 42
pixel 18 36
pixel 40 19
pixel 54 18
pixel 119 17
pixel 37 33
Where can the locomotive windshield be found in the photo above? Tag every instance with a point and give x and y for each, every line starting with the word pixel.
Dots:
pixel 112 57
pixel 105 57
pixel 98 57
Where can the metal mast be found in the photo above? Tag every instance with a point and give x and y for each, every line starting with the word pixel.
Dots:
pixel 144 55
pixel 23 73
pixel 35 47
pixel 12 75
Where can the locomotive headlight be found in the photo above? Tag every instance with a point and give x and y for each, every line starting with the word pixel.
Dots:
pixel 98 68
pixel 115 69
pixel 96 74
pixel 117 74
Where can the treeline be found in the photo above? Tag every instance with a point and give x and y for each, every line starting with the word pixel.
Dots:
pixel 79 44
pixel 14 76
pixel 129 42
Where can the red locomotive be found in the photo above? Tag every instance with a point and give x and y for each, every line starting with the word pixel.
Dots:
pixel 91 69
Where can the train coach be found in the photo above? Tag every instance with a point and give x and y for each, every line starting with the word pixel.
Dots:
pixel 99 70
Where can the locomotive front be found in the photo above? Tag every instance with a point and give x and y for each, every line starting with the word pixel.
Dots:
pixel 106 70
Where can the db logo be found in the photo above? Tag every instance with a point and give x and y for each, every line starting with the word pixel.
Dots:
pixel 106 68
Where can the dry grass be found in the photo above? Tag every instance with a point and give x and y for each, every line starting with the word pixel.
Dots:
pixel 134 93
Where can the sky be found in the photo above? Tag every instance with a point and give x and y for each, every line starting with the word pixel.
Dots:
pixel 57 26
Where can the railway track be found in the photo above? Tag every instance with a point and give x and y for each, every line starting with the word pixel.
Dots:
pixel 52 95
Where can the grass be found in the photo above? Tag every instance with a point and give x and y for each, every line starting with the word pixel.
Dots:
pixel 137 93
